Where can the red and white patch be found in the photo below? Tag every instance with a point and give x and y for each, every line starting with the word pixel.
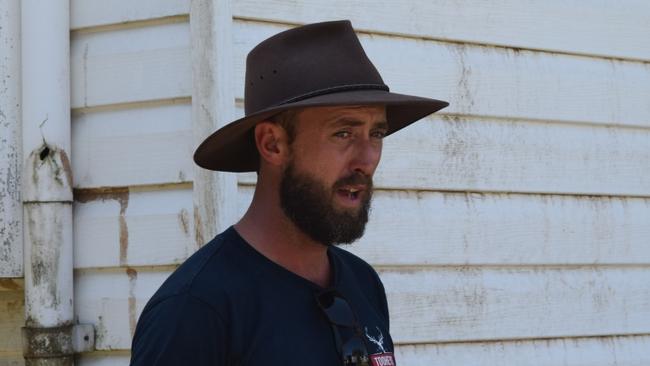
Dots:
pixel 383 359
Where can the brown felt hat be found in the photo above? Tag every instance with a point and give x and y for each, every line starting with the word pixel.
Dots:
pixel 320 64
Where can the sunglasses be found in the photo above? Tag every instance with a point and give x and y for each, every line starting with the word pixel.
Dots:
pixel 347 332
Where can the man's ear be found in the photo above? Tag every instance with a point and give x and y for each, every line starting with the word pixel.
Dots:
pixel 271 141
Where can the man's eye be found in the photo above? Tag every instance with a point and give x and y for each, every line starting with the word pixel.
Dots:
pixel 379 134
pixel 343 134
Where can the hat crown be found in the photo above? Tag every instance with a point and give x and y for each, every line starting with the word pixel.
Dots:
pixel 305 61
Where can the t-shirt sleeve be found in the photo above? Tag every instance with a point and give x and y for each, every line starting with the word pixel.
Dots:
pixel 383 302
pixel 179 330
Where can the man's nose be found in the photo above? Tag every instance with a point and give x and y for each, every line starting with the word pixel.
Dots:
pixel 366 156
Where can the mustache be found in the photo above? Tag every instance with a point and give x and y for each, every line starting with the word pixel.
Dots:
pixel 354 179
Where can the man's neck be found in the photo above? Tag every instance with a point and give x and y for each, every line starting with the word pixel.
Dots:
pixel 270 232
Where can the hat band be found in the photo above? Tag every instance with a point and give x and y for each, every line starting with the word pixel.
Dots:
pixel 335 89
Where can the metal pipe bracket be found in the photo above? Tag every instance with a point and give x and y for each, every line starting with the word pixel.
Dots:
pixel 57 342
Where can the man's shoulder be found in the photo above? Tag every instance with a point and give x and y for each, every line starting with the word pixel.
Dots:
pixel 350 258
pixel 354 263
pixel 208 273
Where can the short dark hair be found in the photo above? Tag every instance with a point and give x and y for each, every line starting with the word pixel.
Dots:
pixel 287 120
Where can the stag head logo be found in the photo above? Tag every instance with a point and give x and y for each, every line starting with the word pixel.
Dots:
pixel 379 341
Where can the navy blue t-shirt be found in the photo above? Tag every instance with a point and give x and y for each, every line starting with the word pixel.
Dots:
pixel 230 305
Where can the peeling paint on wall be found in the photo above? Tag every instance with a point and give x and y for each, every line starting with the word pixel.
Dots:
pixel 100 331
pixel 183 219
pixel 121 195
pixel 44 253
pixel 10 147
pixel 198 225
pixel 10 284
pixel 133 316
pixel 464 89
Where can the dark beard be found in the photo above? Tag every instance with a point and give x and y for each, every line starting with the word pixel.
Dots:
pixel 309 205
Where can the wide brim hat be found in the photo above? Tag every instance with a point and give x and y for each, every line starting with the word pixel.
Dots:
pixel 315 65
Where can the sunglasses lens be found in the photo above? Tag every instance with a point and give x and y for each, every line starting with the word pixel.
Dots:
pixel 354 353
pixel 345 327
pixel 337 310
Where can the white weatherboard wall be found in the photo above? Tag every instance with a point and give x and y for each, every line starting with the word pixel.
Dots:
pixel 511 229
pixel 11 209
pixel 131 82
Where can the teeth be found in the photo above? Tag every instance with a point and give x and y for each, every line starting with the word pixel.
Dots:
pixel 352 193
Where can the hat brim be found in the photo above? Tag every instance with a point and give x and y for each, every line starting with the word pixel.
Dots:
pixel 232 148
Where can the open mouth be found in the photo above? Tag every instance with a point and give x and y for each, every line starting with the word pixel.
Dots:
pixel 351 193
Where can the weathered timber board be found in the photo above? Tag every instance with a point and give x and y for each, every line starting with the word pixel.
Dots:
pixel 487 81
pixel 431 305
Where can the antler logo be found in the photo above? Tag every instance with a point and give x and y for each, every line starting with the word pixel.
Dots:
pixel 378 341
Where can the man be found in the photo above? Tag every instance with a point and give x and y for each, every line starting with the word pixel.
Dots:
pixel 274 289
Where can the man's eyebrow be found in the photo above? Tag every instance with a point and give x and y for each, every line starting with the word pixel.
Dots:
pixel 381 124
